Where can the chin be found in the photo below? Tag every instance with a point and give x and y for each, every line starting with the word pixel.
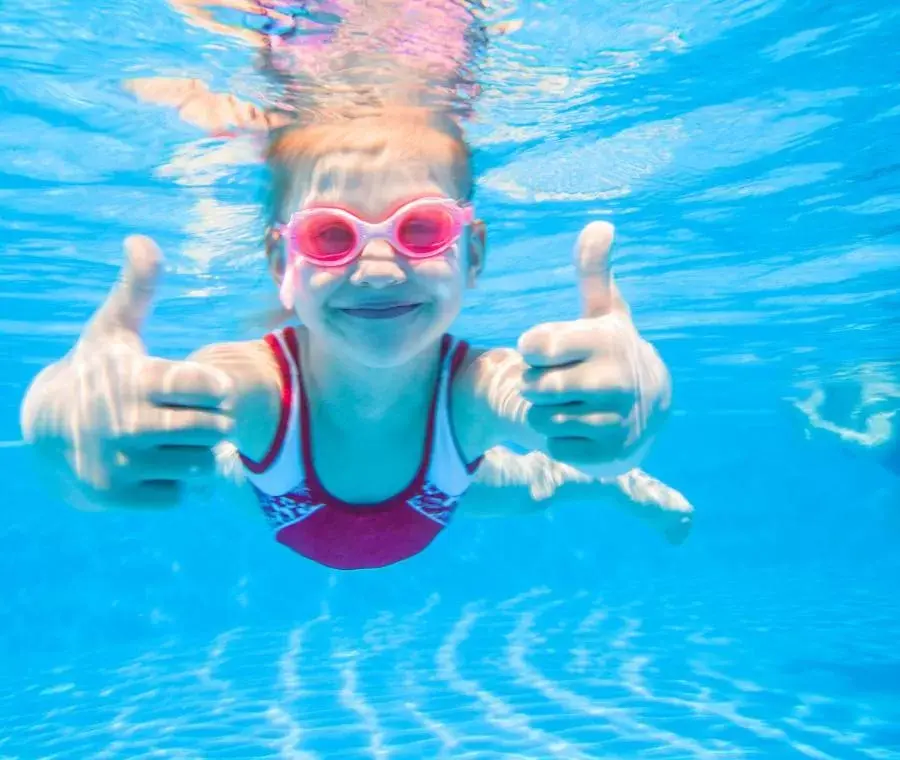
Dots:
pixel 386 349
pixel 387 353
pixel 385 343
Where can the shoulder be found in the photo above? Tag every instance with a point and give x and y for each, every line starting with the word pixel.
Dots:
pixel 480 380
pixel 255 370
pixel 251 364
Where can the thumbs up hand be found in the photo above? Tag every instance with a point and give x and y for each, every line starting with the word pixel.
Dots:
pixel 598 391
pixel 115 426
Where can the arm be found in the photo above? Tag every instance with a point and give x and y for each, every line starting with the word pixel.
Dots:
pixel 256 394
pixel 113 426
pixel 589 392
pixel 513 484
pixel 197 14
pixel 215 112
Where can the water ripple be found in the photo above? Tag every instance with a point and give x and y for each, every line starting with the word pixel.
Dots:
pixel 532 676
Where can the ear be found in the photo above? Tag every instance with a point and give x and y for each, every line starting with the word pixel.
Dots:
pixel 477 251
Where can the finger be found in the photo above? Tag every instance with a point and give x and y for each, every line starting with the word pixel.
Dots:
pixel 183 464
pixel 554 344
pixel 557 344
pixel 176 427
pixel 604 388
pixel 130 300
pixel 658 504
pixel 592 268
pixel 599 294
pixel 567 421
pixel 212 111
pixel 166 91
pixel 185 383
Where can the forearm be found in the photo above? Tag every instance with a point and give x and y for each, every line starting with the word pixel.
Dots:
pixel 512 484
pixel 508 483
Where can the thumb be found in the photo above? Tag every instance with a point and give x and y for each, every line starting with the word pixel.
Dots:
pixel 599 295
pixel 129 302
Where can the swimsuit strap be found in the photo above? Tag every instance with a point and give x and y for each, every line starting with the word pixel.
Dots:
pixel 279 469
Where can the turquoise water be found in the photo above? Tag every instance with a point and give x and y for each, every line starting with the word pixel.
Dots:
pixel 747 152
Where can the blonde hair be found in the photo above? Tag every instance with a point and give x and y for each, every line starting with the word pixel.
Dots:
pixel 415 132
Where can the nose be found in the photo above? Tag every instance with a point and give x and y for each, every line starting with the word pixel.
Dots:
pixel 378 266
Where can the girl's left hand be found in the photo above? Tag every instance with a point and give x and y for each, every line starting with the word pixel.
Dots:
pixel 598 391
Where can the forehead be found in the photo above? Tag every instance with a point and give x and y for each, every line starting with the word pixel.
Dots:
pixel 370 182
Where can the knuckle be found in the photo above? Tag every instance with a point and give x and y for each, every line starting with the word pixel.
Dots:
pixel 611 377
pixel 170 422
pixel 552 382
pixel 145 379
pixel 133 418
pixel 180 376
pixel 215 380
pixel 537 340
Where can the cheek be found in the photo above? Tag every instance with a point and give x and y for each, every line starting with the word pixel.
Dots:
pixel 442 276
pixel 446 268
pixel 315 284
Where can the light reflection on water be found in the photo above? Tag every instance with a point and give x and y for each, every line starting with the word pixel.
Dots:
pixel 745 150
pixel 532 676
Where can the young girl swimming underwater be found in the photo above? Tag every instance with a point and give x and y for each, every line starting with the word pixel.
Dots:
pixel 361 431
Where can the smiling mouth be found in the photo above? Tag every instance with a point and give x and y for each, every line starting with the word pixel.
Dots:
pixel 385 311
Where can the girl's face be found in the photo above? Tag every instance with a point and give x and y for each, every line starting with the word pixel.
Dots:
pixel 381 309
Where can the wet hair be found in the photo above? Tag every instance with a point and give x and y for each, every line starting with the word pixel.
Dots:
pixel 412 131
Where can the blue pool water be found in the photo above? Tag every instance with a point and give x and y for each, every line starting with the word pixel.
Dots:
pixel 746 150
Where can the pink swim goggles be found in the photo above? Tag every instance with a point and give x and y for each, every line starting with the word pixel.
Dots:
pixel 329 236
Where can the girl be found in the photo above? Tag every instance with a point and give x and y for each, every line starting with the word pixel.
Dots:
pixel 361 431
pixel 372 242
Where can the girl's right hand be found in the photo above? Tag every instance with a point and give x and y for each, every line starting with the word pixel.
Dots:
pixel 118 427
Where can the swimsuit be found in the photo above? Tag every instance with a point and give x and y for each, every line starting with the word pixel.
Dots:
pixel 316 524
